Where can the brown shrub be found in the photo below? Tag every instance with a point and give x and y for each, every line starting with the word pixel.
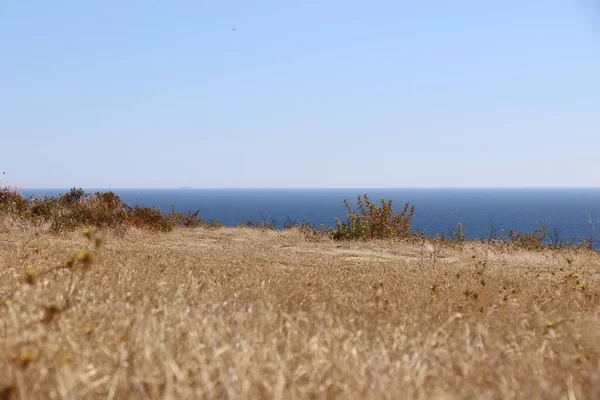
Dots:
pixel 150 218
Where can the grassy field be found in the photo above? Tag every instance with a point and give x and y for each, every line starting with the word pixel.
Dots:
pixel 253 313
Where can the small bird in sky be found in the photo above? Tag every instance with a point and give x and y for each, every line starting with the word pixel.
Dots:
pixel 233 29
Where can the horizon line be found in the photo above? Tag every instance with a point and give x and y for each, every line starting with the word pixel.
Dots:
pixel 311 188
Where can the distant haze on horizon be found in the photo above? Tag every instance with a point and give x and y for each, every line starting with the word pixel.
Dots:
pixel 346 94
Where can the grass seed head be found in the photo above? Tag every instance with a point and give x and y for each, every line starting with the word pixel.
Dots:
pixel 85 257
pixel 69 263
pixel 30 276
pixel 65 360
pixel 26 358
pixel 88 233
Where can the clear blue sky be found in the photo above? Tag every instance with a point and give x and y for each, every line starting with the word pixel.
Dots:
pixel 310 93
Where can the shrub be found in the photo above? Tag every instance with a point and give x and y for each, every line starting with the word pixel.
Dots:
pixel 12 201
pixel 262 223
pixel 43 209
pixel 192 219
pixel 77 209
pixel 290 224
pixel 266 224
pixel 459 236
pixel 101 210
pixel 373 222
pixel 587 244
pixel 529 241
pixel 73 196
pixel 213 224
pixel 247 223
pixel 150 218
pixel 109 199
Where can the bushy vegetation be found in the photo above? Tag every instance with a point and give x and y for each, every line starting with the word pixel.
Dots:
pixel 11 201
pixel 76 209
pixel 373 222
pixel 369 221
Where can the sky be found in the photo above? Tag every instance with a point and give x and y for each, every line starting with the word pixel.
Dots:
pixel 302 94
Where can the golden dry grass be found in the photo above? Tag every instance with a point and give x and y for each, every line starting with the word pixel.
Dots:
pixel 241 313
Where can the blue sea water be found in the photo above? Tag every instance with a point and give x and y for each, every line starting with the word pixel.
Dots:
pixel 575 213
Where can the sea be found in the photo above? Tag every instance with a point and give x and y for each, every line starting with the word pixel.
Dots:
pixel 568 213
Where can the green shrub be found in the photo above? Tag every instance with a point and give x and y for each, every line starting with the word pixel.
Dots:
pixel 459 235
pixel 373 222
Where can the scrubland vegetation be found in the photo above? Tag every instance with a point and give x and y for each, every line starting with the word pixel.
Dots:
pixel 102 300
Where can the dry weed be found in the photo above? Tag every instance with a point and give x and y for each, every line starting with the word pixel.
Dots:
pixel 249 313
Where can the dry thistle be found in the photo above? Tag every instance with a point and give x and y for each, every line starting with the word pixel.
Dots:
pixel 26 358
pixel 65 360
pixel 88 233
pixel 85 257
pixel 94 236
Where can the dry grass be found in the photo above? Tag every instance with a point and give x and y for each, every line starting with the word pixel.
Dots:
pixel 249 313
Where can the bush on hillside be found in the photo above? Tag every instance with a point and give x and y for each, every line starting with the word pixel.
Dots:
pixel 373 222
pixel 529 241
pixel 75 195
pixel 100 210
pixel 151 218
pixel 12 201
pixel 77 209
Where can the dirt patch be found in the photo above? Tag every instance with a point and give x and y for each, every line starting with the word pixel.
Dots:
pixel 375 255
